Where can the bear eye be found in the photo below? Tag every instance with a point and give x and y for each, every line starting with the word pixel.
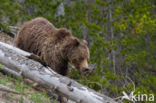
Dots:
pixel 74 60
pixel 81 59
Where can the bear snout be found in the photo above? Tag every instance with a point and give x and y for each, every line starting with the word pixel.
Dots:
pixel 85 69
pixel 84 65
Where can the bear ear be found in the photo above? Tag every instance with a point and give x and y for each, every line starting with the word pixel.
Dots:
pixel 62 32
pixel 85 42
pixel 76 42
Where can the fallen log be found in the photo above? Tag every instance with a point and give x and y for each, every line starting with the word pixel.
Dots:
pixel 17 60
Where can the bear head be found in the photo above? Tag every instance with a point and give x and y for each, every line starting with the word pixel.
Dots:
pixel 78 54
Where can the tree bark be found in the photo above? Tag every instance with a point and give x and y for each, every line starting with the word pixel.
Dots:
pixel 18 61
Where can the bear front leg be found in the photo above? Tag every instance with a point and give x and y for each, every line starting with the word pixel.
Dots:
pixel 61 68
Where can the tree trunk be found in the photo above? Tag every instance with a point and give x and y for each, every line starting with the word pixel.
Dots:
pixel 112 38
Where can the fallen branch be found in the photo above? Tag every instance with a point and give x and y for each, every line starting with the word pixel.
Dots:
pixel 28 68
pixel 8 71
pixel 6 89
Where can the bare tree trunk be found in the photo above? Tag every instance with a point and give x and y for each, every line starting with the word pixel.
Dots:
pixel 17 60
pixel 60 10
pixel 112 38
pixel 88 17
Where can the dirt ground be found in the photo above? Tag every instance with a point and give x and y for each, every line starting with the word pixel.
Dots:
pixel 6 38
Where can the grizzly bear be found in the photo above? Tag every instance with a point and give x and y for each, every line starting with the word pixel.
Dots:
pixel 55 46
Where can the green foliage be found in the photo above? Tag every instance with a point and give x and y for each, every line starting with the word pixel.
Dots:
pixel 133 24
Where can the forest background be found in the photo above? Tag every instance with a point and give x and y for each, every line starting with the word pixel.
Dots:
pixel 121 36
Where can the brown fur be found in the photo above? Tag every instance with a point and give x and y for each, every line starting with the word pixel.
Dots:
pixel 56 47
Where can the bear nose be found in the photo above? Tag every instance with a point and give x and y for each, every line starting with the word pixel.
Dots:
pixel 85 69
